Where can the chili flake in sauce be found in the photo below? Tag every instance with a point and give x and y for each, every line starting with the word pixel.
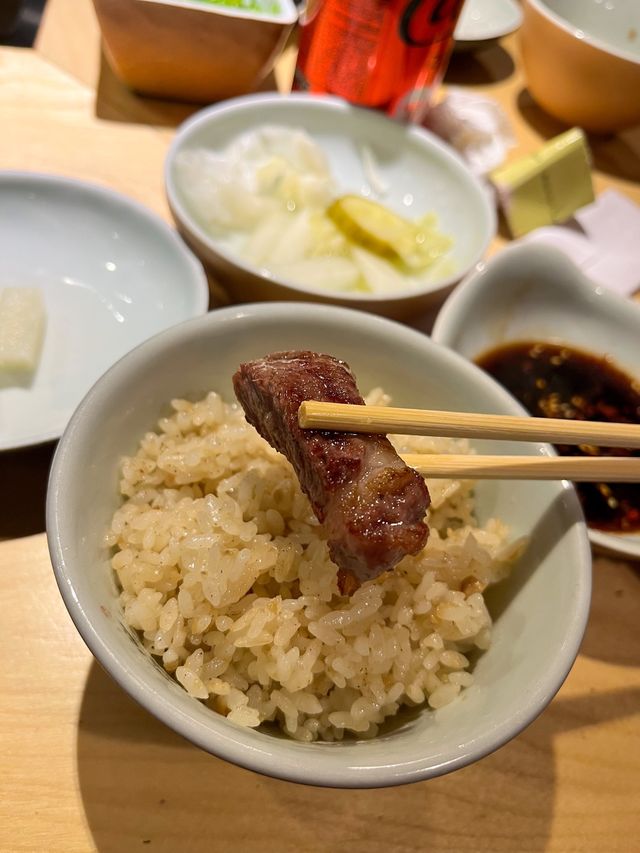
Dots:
pixel 557 381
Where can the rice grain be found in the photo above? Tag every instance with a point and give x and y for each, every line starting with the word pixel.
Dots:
pixel 226 576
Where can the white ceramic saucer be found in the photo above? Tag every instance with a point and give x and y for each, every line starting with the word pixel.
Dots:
pixel 483 22
pixel 112 274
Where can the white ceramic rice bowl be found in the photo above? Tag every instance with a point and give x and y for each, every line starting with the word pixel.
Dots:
pixel 541 611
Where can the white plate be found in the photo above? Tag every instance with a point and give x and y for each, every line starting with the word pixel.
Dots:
pixel 111 274
pixel 534 292
pixel 482 22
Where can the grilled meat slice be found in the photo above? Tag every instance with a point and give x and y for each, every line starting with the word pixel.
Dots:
pixel 371 504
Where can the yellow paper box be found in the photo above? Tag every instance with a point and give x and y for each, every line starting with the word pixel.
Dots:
pixel 548 186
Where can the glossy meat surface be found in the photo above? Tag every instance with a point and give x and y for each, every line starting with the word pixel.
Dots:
pixel 371 504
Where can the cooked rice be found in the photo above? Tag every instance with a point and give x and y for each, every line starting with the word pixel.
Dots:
pixel 226 576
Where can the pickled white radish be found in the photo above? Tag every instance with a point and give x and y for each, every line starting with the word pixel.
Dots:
pixel 22 325
pixel 337 274
pixel 380 275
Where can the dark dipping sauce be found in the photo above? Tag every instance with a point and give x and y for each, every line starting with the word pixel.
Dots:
pixel 556 381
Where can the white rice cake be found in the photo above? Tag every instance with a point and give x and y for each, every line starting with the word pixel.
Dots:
pixel 22 324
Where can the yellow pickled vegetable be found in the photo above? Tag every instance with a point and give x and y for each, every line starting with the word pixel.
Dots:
pixel 383 232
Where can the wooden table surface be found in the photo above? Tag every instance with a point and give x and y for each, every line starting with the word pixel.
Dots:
pixel 83 768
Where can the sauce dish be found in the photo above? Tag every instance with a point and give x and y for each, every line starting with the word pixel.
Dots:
pixel 535 293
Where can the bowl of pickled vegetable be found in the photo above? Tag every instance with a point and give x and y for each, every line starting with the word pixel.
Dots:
pixel 309 198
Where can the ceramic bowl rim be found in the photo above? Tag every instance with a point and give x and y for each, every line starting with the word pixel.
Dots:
pixel 587 37
pixel 287 17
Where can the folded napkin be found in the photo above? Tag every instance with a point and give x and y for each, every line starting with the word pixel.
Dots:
pixel 603 239
pixel 476 126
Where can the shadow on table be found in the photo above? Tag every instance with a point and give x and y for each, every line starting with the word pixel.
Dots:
pixel 617 155
pixel 115 102
pixel 490 65
pixel 23 478
pixel 19 21
pixel 612 634
pixel 142 784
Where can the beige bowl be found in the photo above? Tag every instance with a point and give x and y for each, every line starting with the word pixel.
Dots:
pixel 582 60
pixel 192 51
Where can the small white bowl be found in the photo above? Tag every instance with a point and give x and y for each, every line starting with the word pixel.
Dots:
pixel 540 612
pixel 483 22
pixel 534 292
pixel 422 174
pixel 111 274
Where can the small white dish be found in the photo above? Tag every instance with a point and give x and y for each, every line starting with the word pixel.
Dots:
pixel 483 22
pixel 418 174
pixel 540 612
pixel 534 292
pixel 111 275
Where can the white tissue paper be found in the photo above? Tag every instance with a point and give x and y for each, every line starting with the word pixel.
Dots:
pixel 476 126
pixel 603 239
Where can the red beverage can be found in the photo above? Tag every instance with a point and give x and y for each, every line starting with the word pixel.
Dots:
pixel 386 54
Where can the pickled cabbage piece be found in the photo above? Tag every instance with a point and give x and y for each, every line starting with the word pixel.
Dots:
pixel 414 245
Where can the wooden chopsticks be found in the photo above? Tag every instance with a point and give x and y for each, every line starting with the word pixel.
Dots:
pixel 382 419
pixel 601 469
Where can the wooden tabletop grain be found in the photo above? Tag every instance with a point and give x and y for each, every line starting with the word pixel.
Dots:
pixel 83 768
